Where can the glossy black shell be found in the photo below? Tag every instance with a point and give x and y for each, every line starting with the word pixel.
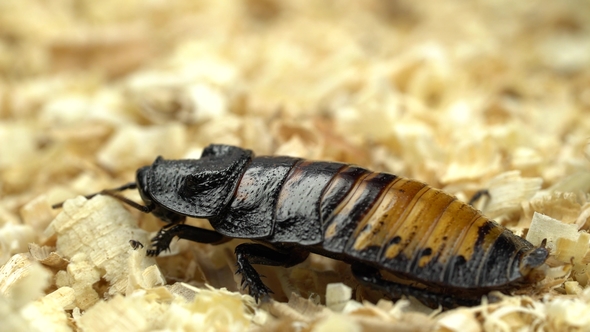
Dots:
pixel 344 212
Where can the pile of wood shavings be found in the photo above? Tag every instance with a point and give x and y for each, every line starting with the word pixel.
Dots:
pixel 463 96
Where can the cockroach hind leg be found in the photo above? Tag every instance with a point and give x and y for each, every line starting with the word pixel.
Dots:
pixel 371 277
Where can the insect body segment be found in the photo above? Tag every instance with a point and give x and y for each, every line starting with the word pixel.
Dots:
pixel 374 221
pixel 419 232
pixel 250 213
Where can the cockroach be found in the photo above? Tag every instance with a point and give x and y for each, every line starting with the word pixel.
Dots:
pixel 376 222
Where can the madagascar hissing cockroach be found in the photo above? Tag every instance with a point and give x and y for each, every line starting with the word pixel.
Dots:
pixel 376 222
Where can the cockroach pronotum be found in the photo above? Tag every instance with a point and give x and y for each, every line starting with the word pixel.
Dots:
pixel 374 221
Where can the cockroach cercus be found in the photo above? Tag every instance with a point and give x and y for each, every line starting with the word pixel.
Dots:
pixel 376 222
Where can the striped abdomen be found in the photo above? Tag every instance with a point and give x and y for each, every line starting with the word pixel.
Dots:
pixel 393 223
pixel 414 230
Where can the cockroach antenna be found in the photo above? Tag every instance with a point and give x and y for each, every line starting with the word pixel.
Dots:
pixel 114 193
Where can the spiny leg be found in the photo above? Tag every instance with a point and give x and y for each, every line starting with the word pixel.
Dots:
pixel 251 253
pixel 371 277
pixel 161 241
pixel 135 244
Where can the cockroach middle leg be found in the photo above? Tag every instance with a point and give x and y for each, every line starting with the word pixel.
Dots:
pixel 252 253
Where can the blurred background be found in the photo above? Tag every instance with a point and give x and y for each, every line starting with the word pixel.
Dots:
pixel 453 93
pixel 443 91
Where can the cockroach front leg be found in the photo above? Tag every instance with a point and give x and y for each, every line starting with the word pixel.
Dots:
pixel 161 242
